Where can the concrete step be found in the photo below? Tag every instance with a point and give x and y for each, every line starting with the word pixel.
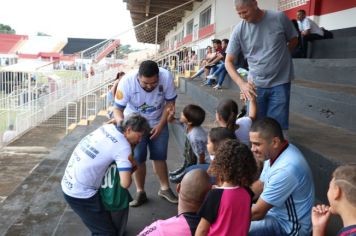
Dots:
pixel 328 103
pixel 344 47
pixel 335 71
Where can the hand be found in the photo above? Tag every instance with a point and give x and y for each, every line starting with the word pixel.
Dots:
pixel 133 163
pixel 248 89
pixel 155 131
pixel 171 113
pixel 320 217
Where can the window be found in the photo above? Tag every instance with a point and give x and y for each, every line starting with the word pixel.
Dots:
pixel 204 18
pixel 190 27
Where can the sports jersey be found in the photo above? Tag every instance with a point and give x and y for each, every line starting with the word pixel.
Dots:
pixel 92 157
pixel 132 98
pixel 183 224
pixel 243 132
pixel 289 188
pixel 348 231
pixel 228 210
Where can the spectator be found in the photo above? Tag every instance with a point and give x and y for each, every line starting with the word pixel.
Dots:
pixel 216 63
pixel 191 193
pixel 195 140
pixel 297 52
pixel 342 200
pixel 264 37
pixel 149 92
pixel 209 56
pixel 88 164
pixel 8 135
pixel 111 93
pixel 285 189
pixel 227 208
pixel 226 114
pixel 309 30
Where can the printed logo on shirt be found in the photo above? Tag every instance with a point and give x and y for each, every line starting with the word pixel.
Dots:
pixel 119 95
pixel 146 109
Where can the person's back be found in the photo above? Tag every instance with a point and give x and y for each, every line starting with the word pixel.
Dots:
pixel 192 191
pixel 293 211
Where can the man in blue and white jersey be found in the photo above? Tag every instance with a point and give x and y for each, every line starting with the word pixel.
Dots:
pixel 148 92
pixel 285 189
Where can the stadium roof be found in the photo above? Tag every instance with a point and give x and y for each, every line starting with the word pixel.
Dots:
pixel 142 10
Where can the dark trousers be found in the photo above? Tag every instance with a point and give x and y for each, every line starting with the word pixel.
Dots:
pixel 309 38
pixel 98 220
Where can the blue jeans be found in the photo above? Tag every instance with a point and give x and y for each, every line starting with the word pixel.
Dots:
pixel 158 147
pixel 199 72
pixel 218 70
pixel 93 214
pixel 266 227
pixel 274 102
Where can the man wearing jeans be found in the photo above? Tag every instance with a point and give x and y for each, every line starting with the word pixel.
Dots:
pixel 149 92
pixel 264 38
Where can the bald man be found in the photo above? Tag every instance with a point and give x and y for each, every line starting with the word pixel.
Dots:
pixel 191 194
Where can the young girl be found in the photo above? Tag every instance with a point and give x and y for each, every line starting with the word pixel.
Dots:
pixel 226 114
pixel 227 208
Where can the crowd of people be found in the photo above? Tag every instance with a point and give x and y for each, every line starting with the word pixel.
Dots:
pixel 241 178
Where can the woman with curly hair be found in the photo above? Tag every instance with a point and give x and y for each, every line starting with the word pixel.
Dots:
pixel 227 208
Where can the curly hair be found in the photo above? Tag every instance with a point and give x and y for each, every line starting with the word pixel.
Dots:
pixel 234 163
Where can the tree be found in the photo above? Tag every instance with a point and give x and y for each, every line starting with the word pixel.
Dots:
pixel 6 29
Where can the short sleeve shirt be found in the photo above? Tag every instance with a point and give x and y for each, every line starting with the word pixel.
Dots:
pixel 92 157
pixel 228 210
pixel 308 24
pixel 198 139
pixel 348 231
pixel 264 45
pixel 243 132
pixel 131 98
pixel 289 188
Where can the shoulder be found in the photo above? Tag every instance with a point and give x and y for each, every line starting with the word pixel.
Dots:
pixel 244 121
pixel 164 74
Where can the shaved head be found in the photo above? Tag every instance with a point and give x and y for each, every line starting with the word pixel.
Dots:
pixel 194 187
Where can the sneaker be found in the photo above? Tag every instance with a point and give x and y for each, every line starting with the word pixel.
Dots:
pixel 211 77
pixel 217 87
pixel 177 178
pixel 168 195
pixel 140 198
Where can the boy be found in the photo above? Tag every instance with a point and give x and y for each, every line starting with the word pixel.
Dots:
pixel 342 199
pixel 195 150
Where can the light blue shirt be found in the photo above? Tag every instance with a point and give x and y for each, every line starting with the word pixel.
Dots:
pixel 289 187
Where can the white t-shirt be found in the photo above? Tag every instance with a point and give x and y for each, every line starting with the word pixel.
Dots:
pixel 91 158
pixel 243 132
pixel 8 136
pixel 308 24
pixel 133 99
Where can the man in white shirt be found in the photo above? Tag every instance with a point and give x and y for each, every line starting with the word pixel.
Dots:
pixel 149 92
pixel 309 30
pixel 9 135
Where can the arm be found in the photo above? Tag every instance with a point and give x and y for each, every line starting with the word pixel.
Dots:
pixel 216 59
pixel 202 228
pixel 248 89
pixel 163 121
pixel 114 87
pixel 252 109
pixel 292 43
pixel 125 178
pixel 118 115
pixel 257 188
pixel 260 209
pixel 320 218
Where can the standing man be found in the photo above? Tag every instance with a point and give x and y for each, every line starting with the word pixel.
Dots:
pixel 149 92
pixel 285 189
pixel 265 38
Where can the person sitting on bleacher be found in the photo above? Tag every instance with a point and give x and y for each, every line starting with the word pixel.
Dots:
pixel 210 55
pixel 191 193
pixel 342 200
pixel 285 189
pixel 309 30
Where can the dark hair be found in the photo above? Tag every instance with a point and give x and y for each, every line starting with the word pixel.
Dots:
pixel 194 114
pixel 119 74
pixel 301 11
pixel 268 128
pixel 219 134
pixel 228 110
pixel 148 69
pixel 217 41
pixel 136 122
pixel 234 163
pixel 225 41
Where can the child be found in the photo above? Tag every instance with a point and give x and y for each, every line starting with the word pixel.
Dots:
pixel 227 208
pixel 226 114
pixel 196 139
pixel 342 199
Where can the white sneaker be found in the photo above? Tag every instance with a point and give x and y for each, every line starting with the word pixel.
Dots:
pixel 217 87
pixel 210 77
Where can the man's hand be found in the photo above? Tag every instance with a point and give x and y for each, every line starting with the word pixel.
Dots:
pixel 248 90
pixel 155 131
pixel 320 218
pixel 171 112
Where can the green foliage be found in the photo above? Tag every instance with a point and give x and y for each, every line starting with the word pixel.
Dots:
pixel 6 29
